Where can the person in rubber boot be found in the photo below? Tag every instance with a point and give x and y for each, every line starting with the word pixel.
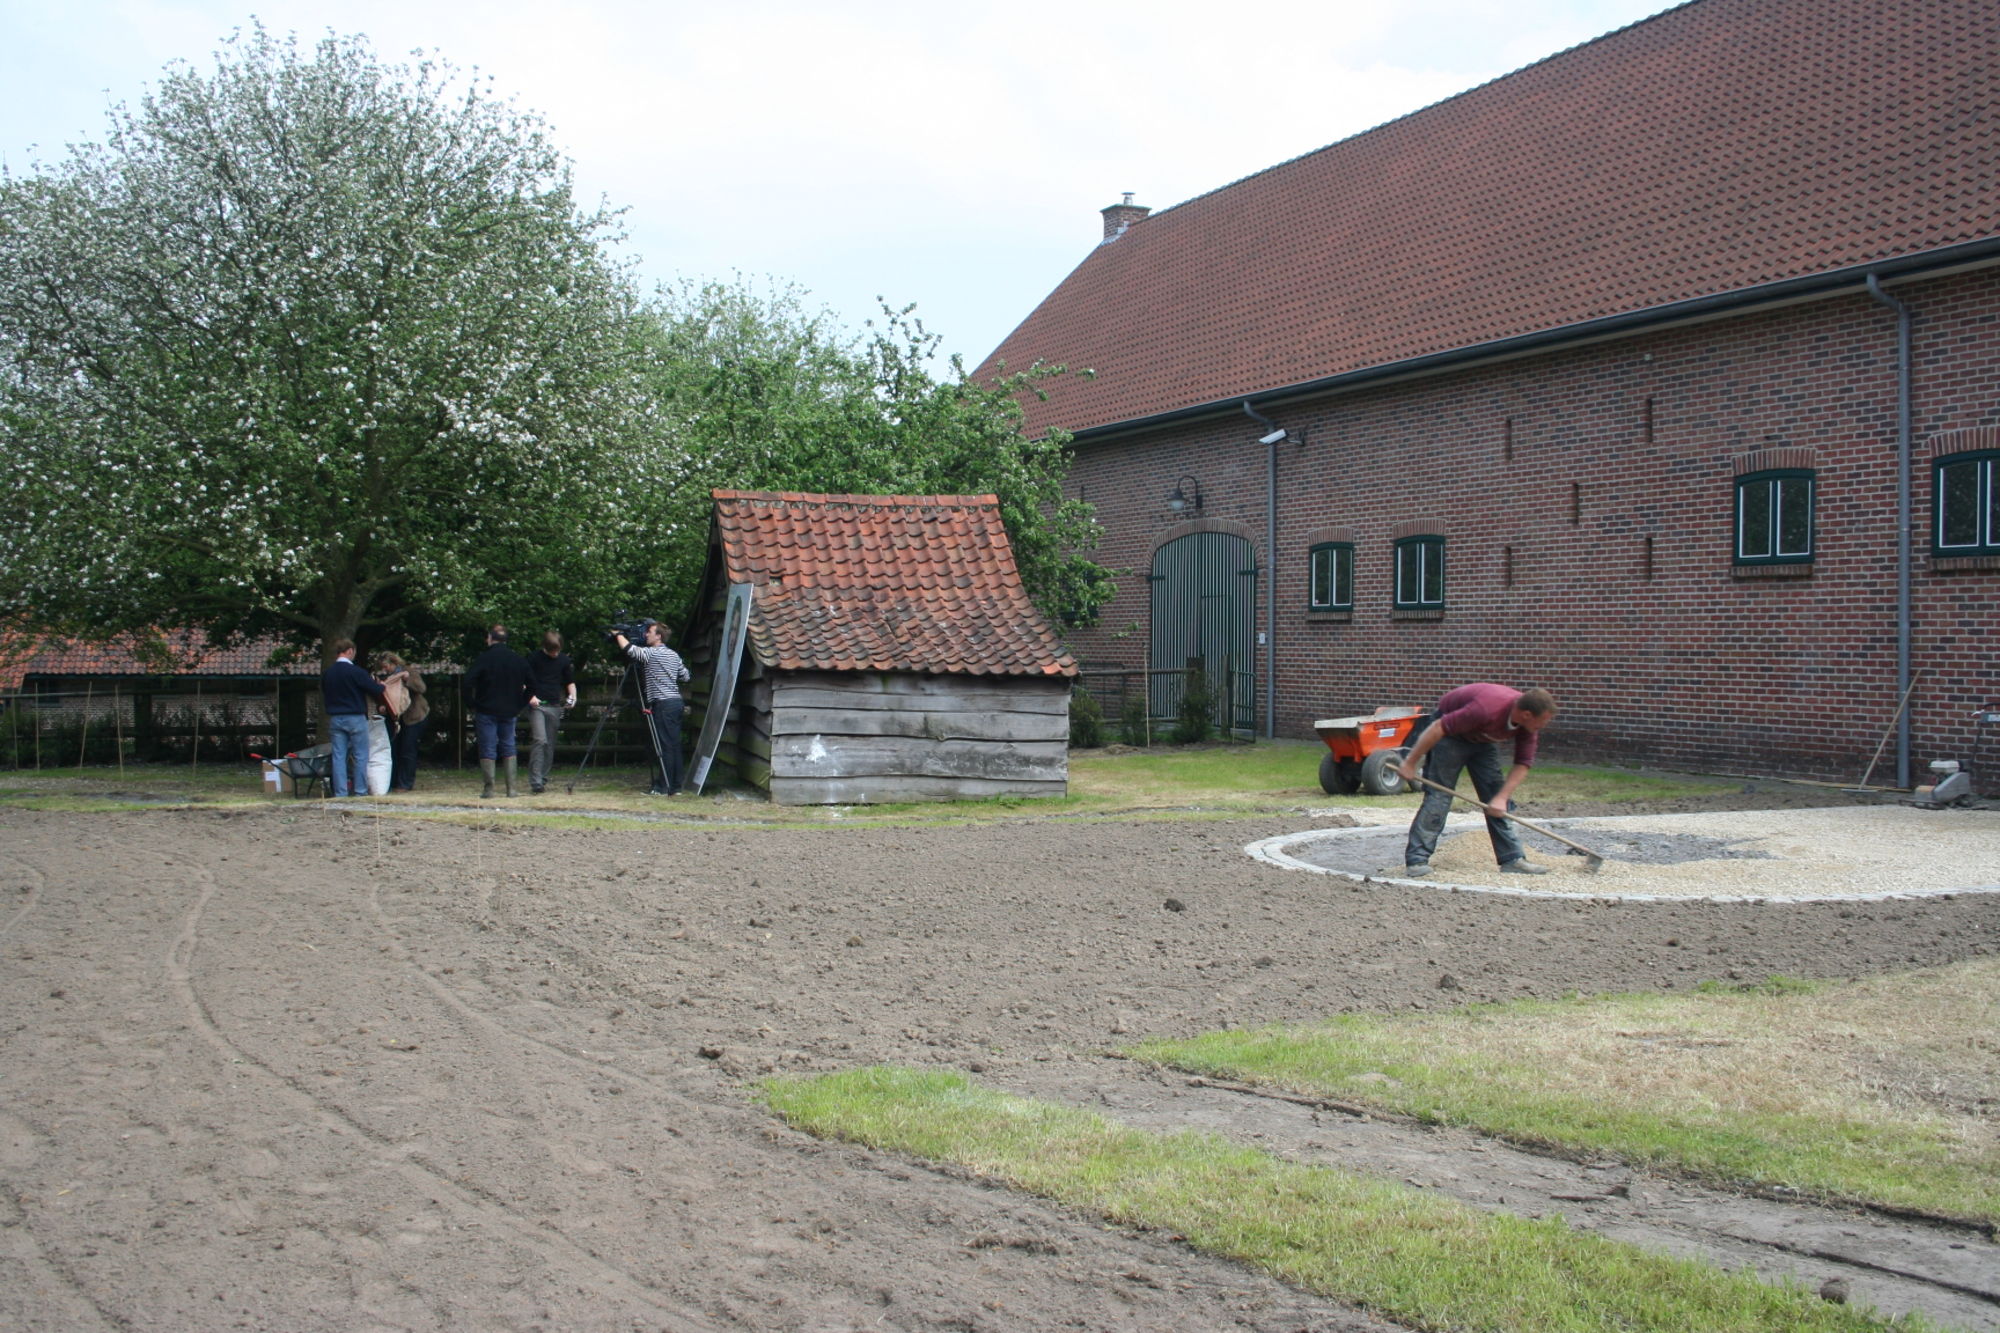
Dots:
pixel 497 686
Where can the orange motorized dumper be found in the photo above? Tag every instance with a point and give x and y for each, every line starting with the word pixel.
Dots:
pixel 1363 752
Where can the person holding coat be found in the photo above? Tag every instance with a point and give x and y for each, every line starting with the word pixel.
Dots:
pixel 410 722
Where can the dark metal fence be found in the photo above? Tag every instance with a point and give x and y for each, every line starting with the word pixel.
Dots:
pixel 1131 700
pixel 176 720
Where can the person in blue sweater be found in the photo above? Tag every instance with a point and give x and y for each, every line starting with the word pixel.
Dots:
pixel 345 688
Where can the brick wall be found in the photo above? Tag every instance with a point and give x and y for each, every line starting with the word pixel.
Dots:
pixel 1586 498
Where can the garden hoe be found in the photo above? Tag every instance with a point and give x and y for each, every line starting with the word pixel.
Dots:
pixel 1592 861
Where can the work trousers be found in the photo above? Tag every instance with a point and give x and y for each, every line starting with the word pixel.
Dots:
pixel 403 755
pixel 1446 760
pixel 495 733
pixel 347 734
pixel 543 719
pixel 665 715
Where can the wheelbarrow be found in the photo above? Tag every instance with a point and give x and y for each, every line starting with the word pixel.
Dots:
pixel 310 770
pixel 1363 752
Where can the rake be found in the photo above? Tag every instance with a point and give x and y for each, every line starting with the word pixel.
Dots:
pixel 1592 861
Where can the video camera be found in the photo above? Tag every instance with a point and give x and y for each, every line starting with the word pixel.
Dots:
pixel 633 629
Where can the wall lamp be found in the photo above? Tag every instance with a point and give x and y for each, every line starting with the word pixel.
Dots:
pixel 1180 501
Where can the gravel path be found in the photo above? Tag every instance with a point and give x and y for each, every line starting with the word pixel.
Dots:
pixel 1858 852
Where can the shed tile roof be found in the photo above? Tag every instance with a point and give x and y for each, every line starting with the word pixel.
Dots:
pixel 173 653
pixel 1718 146
pixel 884 583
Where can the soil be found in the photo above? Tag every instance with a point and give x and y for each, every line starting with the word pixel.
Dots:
pixel 298 1067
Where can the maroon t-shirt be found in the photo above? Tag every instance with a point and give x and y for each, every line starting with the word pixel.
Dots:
pixel 1480 712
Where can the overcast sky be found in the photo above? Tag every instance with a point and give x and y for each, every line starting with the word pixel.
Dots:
pixel 934 154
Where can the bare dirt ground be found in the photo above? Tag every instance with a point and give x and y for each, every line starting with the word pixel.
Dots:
pixel 293 1068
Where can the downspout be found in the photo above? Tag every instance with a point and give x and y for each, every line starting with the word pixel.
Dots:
pixel 1903 451
pixel 1271 574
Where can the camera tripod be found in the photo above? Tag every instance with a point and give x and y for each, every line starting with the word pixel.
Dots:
pixel 631 672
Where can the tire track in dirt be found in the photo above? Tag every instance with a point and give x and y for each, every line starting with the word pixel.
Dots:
pixel 70 1302
pixel 801 1158
pixel 476 1202
pixel 30 893
pixel 20 1142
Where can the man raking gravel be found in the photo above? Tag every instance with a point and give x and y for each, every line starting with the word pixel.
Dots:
pixel 1471 722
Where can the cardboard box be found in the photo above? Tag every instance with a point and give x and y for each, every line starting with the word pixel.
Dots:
pixel 277 782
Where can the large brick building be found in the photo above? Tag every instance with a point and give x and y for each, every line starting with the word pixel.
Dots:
pixel 1664 372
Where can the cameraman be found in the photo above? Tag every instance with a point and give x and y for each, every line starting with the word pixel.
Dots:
pixel 661 690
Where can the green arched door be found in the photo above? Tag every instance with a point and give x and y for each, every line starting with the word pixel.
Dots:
pixel 1204 608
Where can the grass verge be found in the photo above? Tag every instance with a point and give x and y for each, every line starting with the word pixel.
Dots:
pixel 1425 1261
pixel 1160 782
pixel 1878 1091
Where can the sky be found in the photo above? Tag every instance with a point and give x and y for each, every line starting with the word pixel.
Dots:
pixel 934 154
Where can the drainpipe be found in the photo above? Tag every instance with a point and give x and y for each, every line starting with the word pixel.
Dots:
pixel 1271 574
pixel 1903 450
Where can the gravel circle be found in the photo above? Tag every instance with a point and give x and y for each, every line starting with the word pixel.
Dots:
pixel 1812 855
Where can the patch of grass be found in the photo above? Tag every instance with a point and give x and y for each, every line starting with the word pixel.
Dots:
pixel 1423 1260
pixel 1209 781
pixel 1283 775
pixel 1878 1091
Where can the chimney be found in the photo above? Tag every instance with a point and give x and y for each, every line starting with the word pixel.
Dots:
pixel 1120 216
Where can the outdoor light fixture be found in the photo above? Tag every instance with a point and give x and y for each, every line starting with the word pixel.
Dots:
pixel 1180 501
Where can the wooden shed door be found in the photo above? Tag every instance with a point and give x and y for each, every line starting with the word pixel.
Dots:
pixel 1204 610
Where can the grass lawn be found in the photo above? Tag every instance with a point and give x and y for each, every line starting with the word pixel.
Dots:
pixel 1422 1260
pixel 1214 781
pixel 1876 1091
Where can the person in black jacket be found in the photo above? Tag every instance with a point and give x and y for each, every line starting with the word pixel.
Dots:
pixel 497 687
pixel 552 689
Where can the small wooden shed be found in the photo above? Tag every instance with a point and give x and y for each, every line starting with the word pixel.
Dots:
pixel 892 653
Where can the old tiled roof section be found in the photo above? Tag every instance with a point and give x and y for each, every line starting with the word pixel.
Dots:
pixel 884 583
pixel 1712 148
pixel 173 653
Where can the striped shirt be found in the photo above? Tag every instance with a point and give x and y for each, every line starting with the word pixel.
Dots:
pixel 664 670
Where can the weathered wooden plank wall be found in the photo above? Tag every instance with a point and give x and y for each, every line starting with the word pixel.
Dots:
pixel 870 737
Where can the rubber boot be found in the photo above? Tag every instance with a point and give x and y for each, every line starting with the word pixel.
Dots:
pixel 510 774
pixel 486 767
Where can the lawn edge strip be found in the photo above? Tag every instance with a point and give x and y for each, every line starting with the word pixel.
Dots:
pixel 1421 1259
pixel 1746 1155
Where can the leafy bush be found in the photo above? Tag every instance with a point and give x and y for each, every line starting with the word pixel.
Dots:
pixel 1196 720
pixel 1133 726
pixel 1086 721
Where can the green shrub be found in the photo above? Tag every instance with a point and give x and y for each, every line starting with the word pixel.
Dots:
pixel 1086 721
pixel 1133 726
pixel 1196 720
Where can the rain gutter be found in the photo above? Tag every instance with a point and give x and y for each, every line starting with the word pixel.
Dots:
pixel 1903 450
pixel 1270 573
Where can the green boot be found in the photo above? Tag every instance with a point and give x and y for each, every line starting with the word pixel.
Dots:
pixel 486 767
pixel 510 775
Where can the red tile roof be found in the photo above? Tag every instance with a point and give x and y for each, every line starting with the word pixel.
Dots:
pixel 1713 148
pixel 883 583
pixel 176 653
